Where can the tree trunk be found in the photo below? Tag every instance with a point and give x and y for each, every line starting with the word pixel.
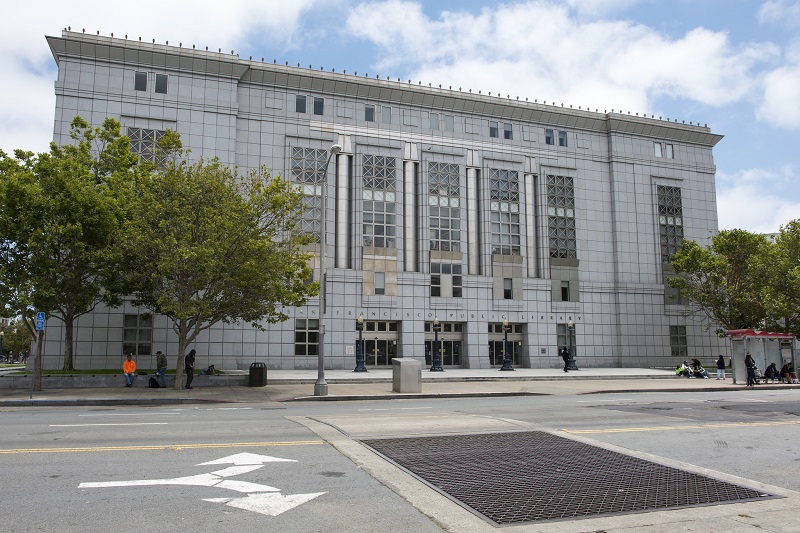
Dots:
pixel 69 333
pixel 181 354
pixel 37 363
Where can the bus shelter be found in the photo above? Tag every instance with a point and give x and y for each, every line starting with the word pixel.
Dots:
pixel 766 347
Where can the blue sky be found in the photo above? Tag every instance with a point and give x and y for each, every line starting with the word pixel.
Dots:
pixel 731 64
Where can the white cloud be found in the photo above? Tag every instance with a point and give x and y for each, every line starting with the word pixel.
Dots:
pixel 781 103
pixel 27 99
pixel 537 49
pixel 779 12
pixel 757 200
pixel 597 8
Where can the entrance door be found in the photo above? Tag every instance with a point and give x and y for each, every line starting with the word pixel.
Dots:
pixel 496 339
pixel 450 350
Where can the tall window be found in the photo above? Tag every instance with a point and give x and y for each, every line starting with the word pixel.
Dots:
pixel 670 220
pixel 161 83
pixel 677 341
pixel 561 217
pixel 386 115
pixel 140 81
pixel 493 129
pixel 504 205
pixel 369 113
pixel 565 291
pixel 449 123
pixel 508 289
pixel 137 334
pixel 380 219
pixel 444 203
pixel 308 170
pixel 319 106
pixel 306 336
pixel 562 138
pixel 434 121
pixel 549 137
pixel 300 103
pixel 144 143
pixel 380 282
pixel 508 131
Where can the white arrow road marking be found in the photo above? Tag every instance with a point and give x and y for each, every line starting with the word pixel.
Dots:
pixel 267 504
pixel 247 459
pixel 214 479
pixel 126 424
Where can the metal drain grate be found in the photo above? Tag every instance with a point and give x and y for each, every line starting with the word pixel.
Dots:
pixel 533 476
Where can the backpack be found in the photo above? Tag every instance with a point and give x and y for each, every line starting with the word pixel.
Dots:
pixel 152 383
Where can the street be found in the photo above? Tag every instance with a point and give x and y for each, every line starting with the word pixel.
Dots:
pixel 251 468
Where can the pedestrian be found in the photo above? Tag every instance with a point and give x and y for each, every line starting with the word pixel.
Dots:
pixel 129 369
pixel 721 367
pixel 161 368
pixel 190 368
pixel 750 365
pixel 565 357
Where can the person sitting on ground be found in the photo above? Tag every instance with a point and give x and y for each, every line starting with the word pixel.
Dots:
pixel 129 369
pixel 698 370
pixel 684 370
pixel 772 373
pixel 787 373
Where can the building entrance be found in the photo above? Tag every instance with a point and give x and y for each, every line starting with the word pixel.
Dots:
pixel 380 343
pixel 450 343
pixel 496 340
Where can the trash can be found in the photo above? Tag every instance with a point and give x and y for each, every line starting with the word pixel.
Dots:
pixel 258 375
pixel 406 375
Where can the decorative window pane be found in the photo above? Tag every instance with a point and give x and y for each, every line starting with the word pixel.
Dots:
pixel 561 217
pixel 378 195
pixel 140 81
pixel 306 337
pixel 308 169
pixel 161 83
pixel 137 333
pixel 444 190
pixel 670 219
pixel 504 205
pixel 677 341
pixel 144 143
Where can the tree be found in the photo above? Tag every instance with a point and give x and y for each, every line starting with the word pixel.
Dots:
pixel 61 212
pixel 782 291
pixel 206 245
pixel 725 280
pixel 16 339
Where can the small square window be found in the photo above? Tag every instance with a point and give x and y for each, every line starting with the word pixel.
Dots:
pixel 386 115
pixel 508 131
pixel 380 282
pixel 548 137
pixel 319 106
pixel 448 123
pixel 369 113
pixel 140 81
pixel 562 138
pixel 493 130
pixel 434 121
pixel 161 83
pixel 300 104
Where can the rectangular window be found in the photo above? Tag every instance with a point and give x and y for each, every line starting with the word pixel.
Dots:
pixel 380 282
pixel 508 289
pixel 306 337
pixel 565 291
pixel 444 203
pixel 449 123
pixel 434 121
pixel 161 83
pixel 319 106
pixel 300 104
pixel 137 334
pixel 548 137
pixel 144 143
pixel 561 217
pixel 379 227
pixel 140 81
pixel 677 341
pixel 308 170
pixel 493 130
pixel 562 340
pixel 451 274
pixel 508 131
pixel 663 150
pixel 657 148
pixel 386 115
pixel 505 212
pixel 669 151
pixel 369 113
pixel 562 138
pixel 670 220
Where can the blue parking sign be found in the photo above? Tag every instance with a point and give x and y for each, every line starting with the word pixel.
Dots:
pixel 40 321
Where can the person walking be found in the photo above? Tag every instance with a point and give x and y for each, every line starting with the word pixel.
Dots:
pixel 750 365
pixel 161 368
pixel 565 357
pixel 721 367
pixel 190 368
pixel 129 369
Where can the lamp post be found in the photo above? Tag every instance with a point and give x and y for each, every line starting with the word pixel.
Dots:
pixel 2 334
pixel 506 356
pixel 436 361
pixel 360 348
pixel 570 333
pixel 321 386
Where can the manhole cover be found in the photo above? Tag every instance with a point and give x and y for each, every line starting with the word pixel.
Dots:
pixel 534 476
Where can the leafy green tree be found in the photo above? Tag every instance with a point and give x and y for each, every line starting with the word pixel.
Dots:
pixel 206 245
pixel 16 339
pixel 782 291
pixel 725 280
pixel 60 215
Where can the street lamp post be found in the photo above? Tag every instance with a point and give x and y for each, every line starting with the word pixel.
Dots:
pixel 321 386
pixel 506 356
pixel 2 334
pixel 436 361
pixel 570 333
pixel 360 348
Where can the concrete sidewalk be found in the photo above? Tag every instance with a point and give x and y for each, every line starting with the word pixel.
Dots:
pixel 293 385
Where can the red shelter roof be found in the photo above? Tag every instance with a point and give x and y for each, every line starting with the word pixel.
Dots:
pixel 741 333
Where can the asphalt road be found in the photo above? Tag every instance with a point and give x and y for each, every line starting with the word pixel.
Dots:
pixel 220 468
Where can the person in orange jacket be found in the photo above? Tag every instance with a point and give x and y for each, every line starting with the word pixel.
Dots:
pixel 129 368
